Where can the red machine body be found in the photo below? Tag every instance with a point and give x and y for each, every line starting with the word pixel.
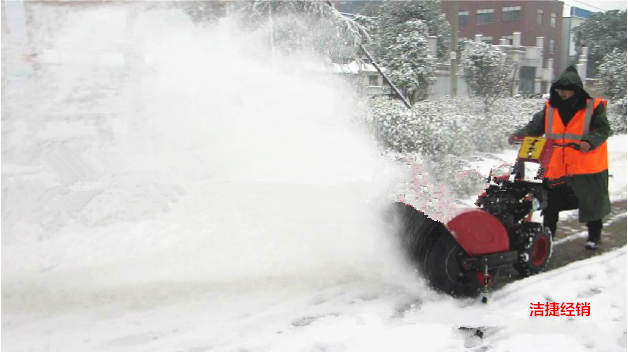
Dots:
pixel 462 255
pixel 479 233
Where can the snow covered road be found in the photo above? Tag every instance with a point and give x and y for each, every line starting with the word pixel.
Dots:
pixel 313 313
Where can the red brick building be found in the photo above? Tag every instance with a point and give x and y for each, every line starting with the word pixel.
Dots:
pixel 496 20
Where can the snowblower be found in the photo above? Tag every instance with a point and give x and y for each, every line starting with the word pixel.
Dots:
pixel 463 256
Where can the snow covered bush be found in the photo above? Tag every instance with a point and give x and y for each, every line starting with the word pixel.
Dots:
pixel 486 72
pixel 616 114
pixel 425 129
pixel 395 125
pixel 490 130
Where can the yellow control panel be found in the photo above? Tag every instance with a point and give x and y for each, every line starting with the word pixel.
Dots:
pixel 532 147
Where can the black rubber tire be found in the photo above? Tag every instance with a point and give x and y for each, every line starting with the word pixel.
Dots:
pixel 436 254
pixel 441 266
pixel 533 259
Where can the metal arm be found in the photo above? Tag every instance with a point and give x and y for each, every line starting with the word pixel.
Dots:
pixel 388 81
pixel 392 85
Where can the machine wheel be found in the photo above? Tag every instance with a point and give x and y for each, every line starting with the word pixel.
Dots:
pixel 436 254
pixel 442 266
pixel 534 254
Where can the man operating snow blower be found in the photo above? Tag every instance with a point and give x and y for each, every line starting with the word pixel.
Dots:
pixel 577 176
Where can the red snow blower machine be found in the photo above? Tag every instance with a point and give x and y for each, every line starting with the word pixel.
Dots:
pixel 463 256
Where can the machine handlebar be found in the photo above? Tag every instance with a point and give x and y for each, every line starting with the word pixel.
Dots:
pixel 519 140
pixel 571 144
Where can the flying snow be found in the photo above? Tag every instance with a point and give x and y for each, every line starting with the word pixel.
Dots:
pixel 194 152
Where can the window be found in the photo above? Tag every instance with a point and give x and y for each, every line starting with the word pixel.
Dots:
pixel 374 81
pixel 539 17
pixel 512 13
pixel 463 18
pixel 552 46
pixel 484 16
pixel 553 20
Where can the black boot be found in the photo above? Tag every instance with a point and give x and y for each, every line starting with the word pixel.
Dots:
pixel 552 227
pixel 595 234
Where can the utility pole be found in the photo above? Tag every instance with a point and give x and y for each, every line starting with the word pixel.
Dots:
pixel 453 67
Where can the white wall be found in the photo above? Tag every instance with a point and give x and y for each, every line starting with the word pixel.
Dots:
pixel 442 87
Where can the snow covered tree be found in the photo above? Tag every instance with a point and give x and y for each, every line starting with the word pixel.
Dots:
pixel 399 31
pixel 613 74
pixel 486 72
pixel 409 62
pixel 371 27
pixel 602 33
pixel 361 7
pixel 396 13
pixel 291 24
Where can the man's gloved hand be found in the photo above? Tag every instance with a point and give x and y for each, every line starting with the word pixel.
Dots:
pixel 511 139
pixel 585 146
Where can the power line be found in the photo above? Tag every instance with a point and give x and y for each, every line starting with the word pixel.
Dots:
pixel 580 2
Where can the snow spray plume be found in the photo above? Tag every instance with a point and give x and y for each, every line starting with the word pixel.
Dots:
pixel 219 160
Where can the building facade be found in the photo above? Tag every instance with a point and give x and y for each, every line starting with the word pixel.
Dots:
pixel 568 52
pixel 531 75
pixel 495 20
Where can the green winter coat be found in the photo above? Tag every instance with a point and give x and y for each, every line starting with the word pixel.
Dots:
pixel 590 189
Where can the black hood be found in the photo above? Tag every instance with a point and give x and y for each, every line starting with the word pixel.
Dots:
pixel 571 80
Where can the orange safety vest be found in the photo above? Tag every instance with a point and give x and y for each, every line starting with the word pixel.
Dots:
pixel 567 161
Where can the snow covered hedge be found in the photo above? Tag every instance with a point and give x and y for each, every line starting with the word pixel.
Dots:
pixel 448 131
pixel 456 126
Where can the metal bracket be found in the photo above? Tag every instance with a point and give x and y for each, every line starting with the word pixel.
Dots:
pixel 492 260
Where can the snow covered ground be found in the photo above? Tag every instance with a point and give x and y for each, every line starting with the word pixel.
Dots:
pixel 208 198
